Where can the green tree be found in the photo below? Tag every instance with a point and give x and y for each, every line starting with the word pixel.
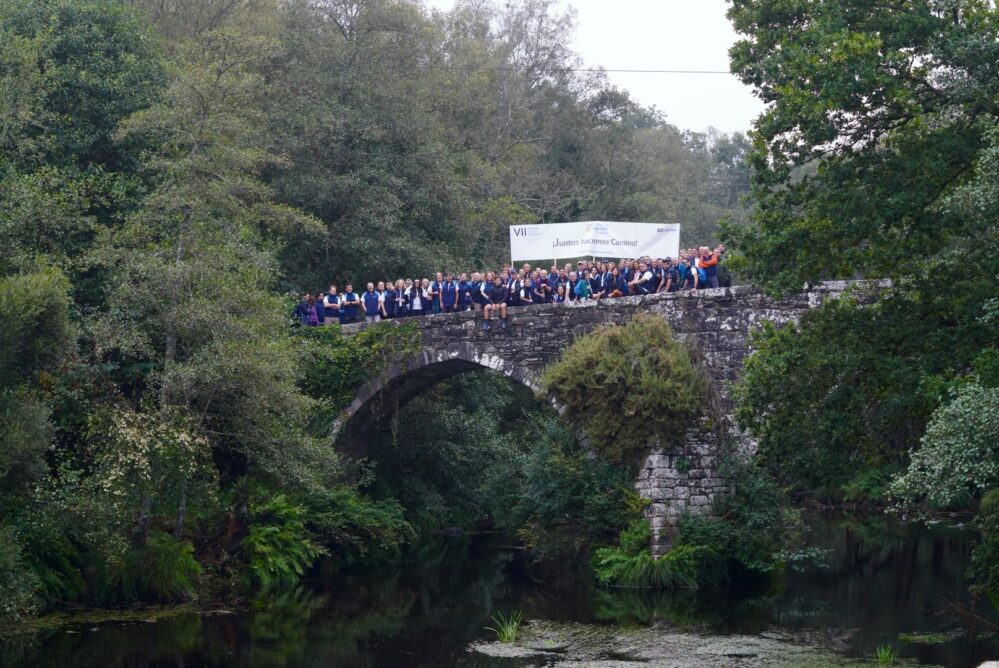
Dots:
pixel 70 70
pixel 192 269
pixel 875 158
pixel 877 113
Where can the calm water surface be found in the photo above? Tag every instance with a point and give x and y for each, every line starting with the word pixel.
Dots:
pixel 879 580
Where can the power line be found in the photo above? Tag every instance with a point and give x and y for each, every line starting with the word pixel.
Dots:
pixel 629 71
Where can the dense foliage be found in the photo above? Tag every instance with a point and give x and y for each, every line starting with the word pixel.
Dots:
pixel 169 169
pixel 875 158
pixel 628 386
pixel 496 457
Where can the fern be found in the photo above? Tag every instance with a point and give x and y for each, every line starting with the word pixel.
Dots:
pixel 630 564
pixel 278 547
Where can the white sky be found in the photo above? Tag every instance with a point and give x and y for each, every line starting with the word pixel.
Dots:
pixel 665 34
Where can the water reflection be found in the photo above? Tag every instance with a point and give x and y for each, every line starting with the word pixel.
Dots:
pixel 880 580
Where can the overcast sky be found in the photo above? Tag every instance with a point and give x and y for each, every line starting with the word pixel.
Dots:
pixel 665 34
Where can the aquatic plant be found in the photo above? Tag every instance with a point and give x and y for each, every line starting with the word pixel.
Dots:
pixel 507 627
pixel 885 655
pixel 931 638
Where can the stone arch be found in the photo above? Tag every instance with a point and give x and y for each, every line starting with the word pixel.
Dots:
pixel 405 377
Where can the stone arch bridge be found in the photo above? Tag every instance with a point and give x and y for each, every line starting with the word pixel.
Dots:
pixel 718 321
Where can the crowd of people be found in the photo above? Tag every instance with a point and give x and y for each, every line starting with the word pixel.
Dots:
pixel 493 293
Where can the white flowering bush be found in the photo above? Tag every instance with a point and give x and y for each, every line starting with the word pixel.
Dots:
pixel 959 455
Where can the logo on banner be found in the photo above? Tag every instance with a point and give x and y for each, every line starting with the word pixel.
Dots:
pixel 526 232
pixel 596 228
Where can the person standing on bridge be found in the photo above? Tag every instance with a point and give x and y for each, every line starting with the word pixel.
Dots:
pixel 331 305
pixel 449 294
pixel 350 303
pixel 497 303
pixel 434 292
pixel 372 304
pixel 417 298
pixel 312 315
pixel 709 262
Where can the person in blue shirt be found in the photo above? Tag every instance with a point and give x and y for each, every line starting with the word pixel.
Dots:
pixel 372 302
pixel 478 299
pixel 320 308
pixel 464 293
pixel 331 305
pixel 487 289
pixel 389 302
pixel 570 286
pixel 615 285
pixel 497 304
pixel 401 302
pixel 302 310
pixel 350 304
pixel 434 292
pixel 594 283
pixel 449 294
pixel 582 288
pixel 539 291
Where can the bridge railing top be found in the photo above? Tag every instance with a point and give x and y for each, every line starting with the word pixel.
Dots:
pixel 817 289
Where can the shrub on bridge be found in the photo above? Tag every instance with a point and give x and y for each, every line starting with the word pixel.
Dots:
pixel 335 365
pixel 627 385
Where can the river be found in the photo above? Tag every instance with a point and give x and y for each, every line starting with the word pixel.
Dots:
pixel 878 580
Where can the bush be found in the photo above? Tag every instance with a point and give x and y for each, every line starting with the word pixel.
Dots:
pixel 162 570
pixel 336 366
pixel 277 547
pixel 165 569
pixel 984 568
pixel 564 499
pixel 631 564
pixel 18 583
pixel 626 385
pixel 351 526
pixel 959 456
pixel 750 528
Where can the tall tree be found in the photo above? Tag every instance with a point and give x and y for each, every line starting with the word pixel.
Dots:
pixel 870 160
pixel 193 268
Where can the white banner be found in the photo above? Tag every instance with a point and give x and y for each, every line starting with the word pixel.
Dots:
pixel 596 238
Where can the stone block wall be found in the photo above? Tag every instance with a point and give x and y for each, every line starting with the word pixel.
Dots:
pixel 679 479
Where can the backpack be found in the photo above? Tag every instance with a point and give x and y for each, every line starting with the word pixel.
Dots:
pixel 702 276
